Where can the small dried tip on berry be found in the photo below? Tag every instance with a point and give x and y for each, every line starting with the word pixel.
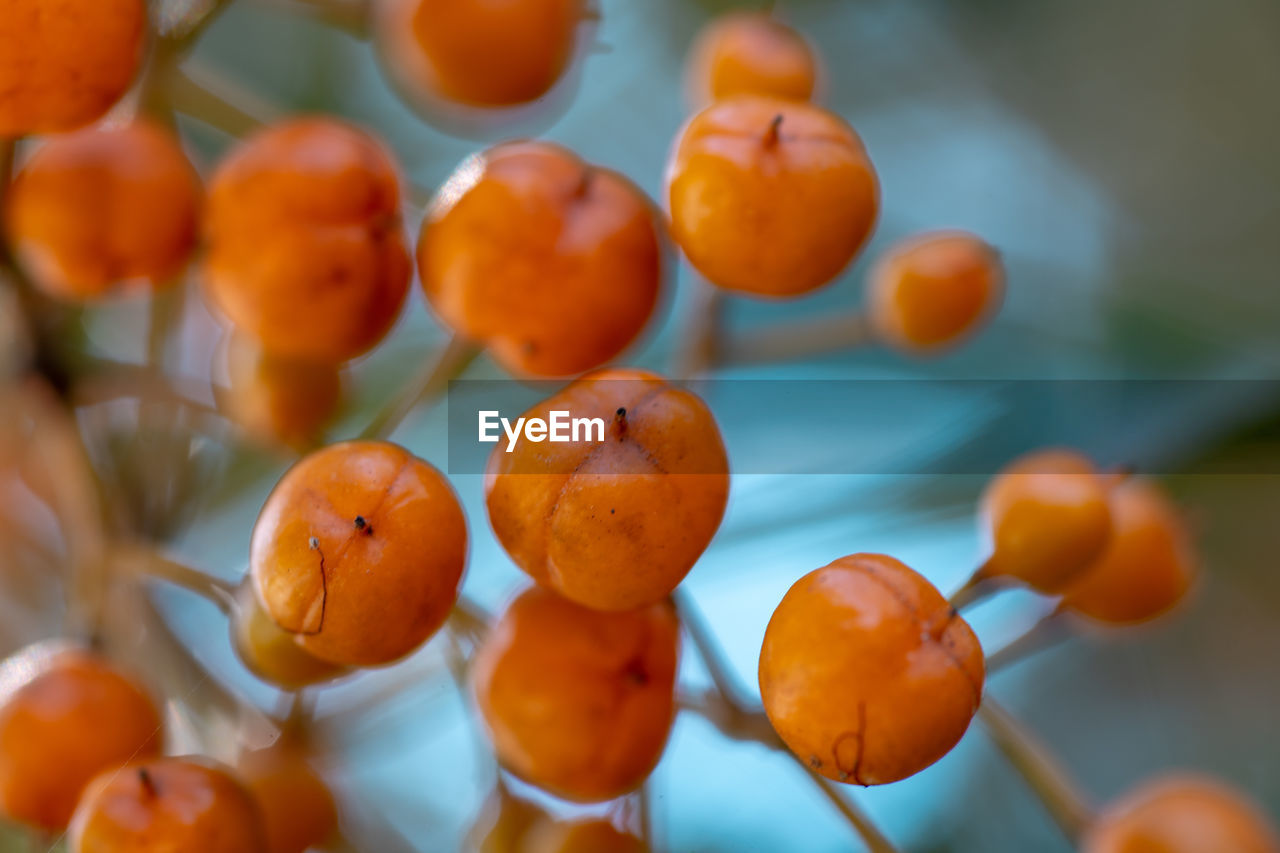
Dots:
pixel 620 421
pixel 362 525
pixel 148 784
pixel 584 182
pixel 313 543
pixel 771 135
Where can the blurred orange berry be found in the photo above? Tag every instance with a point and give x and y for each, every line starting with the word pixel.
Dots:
pixel 578 702
pixel 279 401
pixel 1050 518
pixel 63 63
pixel 770 197
pixel 297 806
pixel 78 717
pixel 1182 813
pixel 866 672
pixel 306 251
pixel 481 52
pixel 932 291
pixel 358 552
pixel 615 524
pixel 166 805
pixel 105 208
pixel 269 651
pixel 502 824
pixel 1149 564
pixel 554 264
pixel 581 836
pixel 750 53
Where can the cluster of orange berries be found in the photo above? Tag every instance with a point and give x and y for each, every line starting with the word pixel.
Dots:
pixel 555 266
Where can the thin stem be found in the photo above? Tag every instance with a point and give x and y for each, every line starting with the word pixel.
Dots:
pixel 871 835
pixel 353 17
pixel 428 385
pixel 978 588
pixel 732 722
pixel 797 341
pixel 712 657
pixel 196 91
pixel 644 803
pixel 185 39
pixel 700 349
pixel 148 562
pixel 470 619
pixel 1046 778
pixel 1050 630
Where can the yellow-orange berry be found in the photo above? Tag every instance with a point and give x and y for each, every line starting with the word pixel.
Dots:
pixel 297 806
pixel 358 552
pixel 479 53
pixel 581 836
pixel 270 652
pixel 750 53
pixel 63 63
pixel 577 701
pixel 1049 517
pixel 555 265
pixel 1182 813
pixel 618 523
pixel 77 718
pixel 166 805
pixel 1149 564
pixel 502 824
pixel 110 208
pixel 866 672
pixel 306 251
pixel 770 197
pixel 279 401
pixel 932 291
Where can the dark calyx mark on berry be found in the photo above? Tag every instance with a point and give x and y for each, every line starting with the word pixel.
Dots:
pixel 619 425
pixel 148 783
pixel 771 135
pixel 635 671
pixel 363 525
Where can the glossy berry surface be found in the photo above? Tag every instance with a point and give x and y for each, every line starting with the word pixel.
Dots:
pixel 297 806
pixel 306 251
pixel 553 264
pixel 358 552
pixel 866 672
pixel 1049 517
pixel 1182 814
pixel 932 291
pixel 105 209
pixel 621 521
pixel 770 197
pixel 576 701
pixel 1149 565
pixel 269 651
pixel 750 53
pixel 63 63
pixel 77 718
pixel 167 805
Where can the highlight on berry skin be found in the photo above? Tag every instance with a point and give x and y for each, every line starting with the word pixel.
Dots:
pixel 546 670
pixel 768 197
pixel 623 521
pixel 358 553
pixel 867 673
pixel 551 263
pixel 931 292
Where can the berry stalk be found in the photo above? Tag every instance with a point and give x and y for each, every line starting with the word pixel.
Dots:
pixel 427 386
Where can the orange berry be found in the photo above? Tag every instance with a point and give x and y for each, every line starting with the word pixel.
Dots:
pixel 615 524
pixel 166 805
pixel 581 836
pixel 770 197
pixel 105 208
pixel 577 701
pixel 503 823
pixel 1182 813
pixel 297 806
pixel 554 264
pixel 866 672
pixel 358 552
pixel 306 251
pixel 77 718
pixel 269 651
pixel 750 53
pixel 933 290
pixel 280 401
pixel 1050 518
pixel 63 63
pixel 480 52
pixel 1149 564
